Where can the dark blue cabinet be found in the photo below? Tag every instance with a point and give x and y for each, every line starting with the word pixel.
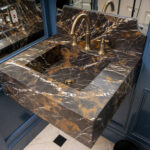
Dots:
pixel 139 121
pixel 118 127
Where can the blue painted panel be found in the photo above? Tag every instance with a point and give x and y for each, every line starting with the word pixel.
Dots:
pixel 49 16
pixel 142 126
pixel 146 56
pixel 121 116
pixel 139 122
pixel 117 128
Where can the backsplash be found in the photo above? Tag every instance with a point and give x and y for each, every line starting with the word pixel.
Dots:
pixel 123 32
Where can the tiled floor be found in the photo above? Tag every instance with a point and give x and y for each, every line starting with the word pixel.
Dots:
pixel 44 141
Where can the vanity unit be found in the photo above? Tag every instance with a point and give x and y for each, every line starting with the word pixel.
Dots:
pixel 55 78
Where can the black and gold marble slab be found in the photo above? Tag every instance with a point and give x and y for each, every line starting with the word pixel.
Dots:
pixel 38 78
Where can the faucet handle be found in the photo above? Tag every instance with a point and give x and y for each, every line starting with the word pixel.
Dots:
pixel 88 41
pixel 74 42
pixel 102 47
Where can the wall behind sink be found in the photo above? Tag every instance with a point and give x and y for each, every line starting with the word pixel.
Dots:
pixel 142 9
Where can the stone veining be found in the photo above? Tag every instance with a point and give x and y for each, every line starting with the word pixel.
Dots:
pixel 36 78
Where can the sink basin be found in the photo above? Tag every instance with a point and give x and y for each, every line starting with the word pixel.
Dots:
pixel 69 65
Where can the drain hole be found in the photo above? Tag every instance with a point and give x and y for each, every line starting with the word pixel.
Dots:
pixel 60 140
pixel 69 81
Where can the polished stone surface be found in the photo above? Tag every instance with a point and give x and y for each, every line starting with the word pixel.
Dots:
pixel 27 28
pixel 38 78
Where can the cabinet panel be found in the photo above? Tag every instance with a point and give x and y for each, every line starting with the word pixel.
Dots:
pixel 121 116
pixel 139 122
pixel 142 124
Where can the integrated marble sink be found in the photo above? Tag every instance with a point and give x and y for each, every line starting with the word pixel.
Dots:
pixel 77 91
pixel 70 65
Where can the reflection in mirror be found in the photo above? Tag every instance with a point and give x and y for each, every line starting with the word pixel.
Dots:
pixel 20 24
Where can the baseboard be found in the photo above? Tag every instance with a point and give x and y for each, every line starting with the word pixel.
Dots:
pixel 113 134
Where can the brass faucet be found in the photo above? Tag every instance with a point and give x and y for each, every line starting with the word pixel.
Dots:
pixel 102 44
pixel 74 43
pixel 111 3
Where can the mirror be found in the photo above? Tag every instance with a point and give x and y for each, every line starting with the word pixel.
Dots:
pixel 20 24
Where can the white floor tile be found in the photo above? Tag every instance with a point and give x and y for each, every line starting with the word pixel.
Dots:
pixel 43 146
pixel 44 141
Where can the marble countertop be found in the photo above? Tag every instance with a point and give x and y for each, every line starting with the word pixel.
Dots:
pixel 81 112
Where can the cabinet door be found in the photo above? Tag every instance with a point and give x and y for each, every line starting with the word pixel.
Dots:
pixel 141 126
pixel 139 122
pixel 121 116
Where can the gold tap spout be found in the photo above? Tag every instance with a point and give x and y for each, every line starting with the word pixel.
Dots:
pixel 111 3
pixel 85 16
